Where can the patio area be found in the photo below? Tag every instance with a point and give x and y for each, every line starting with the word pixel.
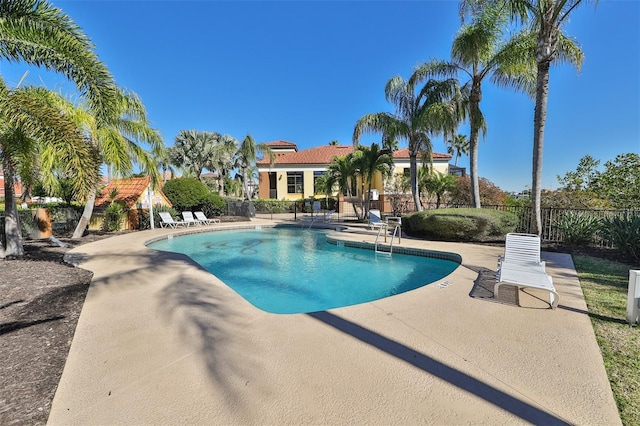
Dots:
pixel 161 341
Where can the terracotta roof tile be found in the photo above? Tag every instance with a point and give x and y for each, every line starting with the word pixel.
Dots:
pixel 324 154
pixel 281 144
pixel 318 155
pixel 128 191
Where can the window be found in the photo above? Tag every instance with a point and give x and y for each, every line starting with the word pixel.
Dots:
pixel 295 183
pixel 317 175
pixel 407 171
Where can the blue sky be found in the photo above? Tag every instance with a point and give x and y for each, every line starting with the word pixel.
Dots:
pixel 306 71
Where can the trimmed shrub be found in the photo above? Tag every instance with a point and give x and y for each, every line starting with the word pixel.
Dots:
pixel 578 228
pixel 191 194
pixel 460 224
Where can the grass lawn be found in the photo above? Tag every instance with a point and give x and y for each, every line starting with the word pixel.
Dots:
pixel 605 285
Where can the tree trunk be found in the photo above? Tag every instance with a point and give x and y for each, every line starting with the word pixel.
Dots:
pixel 539 120
pixel 474 119
pixel 413 175
pixel 13 235
pixel 86 216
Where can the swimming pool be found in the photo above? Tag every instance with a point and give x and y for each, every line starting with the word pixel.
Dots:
pixel 291 270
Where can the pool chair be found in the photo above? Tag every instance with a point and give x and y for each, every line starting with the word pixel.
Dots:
pixel 204 219
pixel 521 266
pixel 188 218
pixel 375 220
pixel 326 217
pixel 167 221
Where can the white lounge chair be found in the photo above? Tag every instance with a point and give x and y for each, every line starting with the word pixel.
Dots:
pixel 521 266
pixel 188 218
pixel 326 217
pixel 375 220
pixel 204 219
pixel 167 221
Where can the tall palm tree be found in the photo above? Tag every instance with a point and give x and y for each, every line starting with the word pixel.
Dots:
pixel 373 160
pixel 247 156
pixel 434 109
pixel 458 146
pixel 120 142
pixel 223 159
pixel 38 33
pixel 193 151
pixel 37 136
pixel 479 52
pixel 552 45
pixel 342 173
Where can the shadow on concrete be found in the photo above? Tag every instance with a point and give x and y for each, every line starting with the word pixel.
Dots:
pixel 429 365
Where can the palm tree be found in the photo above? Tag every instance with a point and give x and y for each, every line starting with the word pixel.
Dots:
pixel 193 151
pixel 341 173
pixel 371 161
pixel 458 146
pixel 37 136
pixel 436 183
pixel 247 156
pixel 118 142
pixel 478 53
pixel 38 33
pixel 434 109
pixel 547 18
pixel 223 159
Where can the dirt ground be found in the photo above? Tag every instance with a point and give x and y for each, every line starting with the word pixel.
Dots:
pixel 40 302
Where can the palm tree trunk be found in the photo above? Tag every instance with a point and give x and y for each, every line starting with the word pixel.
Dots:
pixel 13 236
pixel 539 120
pixel 86 216
pixel 475 98
pixel 413 175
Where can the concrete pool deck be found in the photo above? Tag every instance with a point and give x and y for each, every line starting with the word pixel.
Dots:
pixel 161 341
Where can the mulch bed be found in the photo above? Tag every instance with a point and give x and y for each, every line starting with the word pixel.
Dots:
pixel 40 302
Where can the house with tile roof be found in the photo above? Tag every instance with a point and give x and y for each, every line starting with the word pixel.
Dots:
pixel 133 193
pixel 293 173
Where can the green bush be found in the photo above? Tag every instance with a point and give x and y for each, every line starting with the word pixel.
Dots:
pixel 624 233
pixel 271 205
pixel 113 217
pixel 578 228
pixel 189 194
pixel 460 224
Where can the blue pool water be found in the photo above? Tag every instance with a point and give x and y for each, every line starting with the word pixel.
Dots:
pixel 287 270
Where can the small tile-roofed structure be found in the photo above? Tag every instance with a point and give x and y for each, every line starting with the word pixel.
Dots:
pixel 130 191
pixel 318 155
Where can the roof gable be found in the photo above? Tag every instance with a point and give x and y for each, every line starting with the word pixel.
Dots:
pixel 128 191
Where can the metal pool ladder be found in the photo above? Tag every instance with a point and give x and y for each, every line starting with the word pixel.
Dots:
pixel 397 230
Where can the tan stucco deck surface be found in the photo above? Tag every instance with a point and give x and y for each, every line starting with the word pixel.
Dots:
pixel 161 341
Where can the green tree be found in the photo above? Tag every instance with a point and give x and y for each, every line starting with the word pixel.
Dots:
pixel 478 53
pixel 458 146
pixel 223 159
pixel 37 33
pixel 342 173
pixel 552 45
pixel 36 135
pixel 620 181
pixel 120 143
pixel 193 151
pixel 436 183
pixel 372 160
pixel 247 156
pixel 434 109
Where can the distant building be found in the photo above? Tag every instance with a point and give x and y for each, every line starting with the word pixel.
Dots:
pixel 293 173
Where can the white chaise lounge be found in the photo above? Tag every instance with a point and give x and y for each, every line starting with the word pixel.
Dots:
pixel 204 219
pixel 167 221
pixel 521 266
